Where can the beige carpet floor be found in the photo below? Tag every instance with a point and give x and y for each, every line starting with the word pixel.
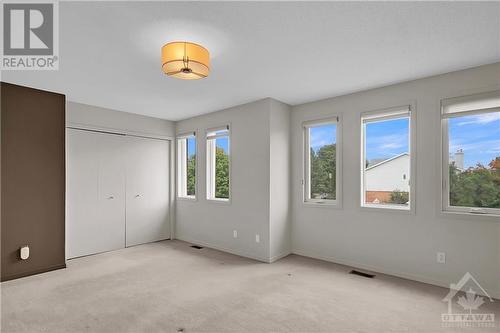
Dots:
pixel 171 287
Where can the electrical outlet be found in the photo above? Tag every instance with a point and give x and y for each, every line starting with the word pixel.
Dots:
pixel 257 238
pixel 235 233
pixel 441 257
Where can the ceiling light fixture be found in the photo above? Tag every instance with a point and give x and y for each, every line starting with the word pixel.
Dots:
pixel 185 60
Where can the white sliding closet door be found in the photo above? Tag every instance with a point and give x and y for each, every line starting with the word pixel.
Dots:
pixel 95 192
pixel 147 203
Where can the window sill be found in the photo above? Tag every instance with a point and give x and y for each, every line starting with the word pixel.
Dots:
pixel 334 204
pixel 187 198
pixel 467 214
pixel 219 201
pixel 387 208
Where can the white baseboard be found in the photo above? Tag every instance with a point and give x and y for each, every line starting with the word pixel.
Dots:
pixel 235 252
pixel 409 276
pixel 219 248
pixel 279 256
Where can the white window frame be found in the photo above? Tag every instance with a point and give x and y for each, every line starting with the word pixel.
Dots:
pixel 382 115
pixel 210 160
pixel 306 181
pixel 181 165
pixel 463 106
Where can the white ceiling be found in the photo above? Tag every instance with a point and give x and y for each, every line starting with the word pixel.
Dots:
pixel 295 52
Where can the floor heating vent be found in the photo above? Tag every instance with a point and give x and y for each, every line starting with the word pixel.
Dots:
pixel 197 247
pixel 366 275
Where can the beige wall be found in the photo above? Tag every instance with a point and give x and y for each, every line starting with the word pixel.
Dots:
pixel 259 205
pixel 279 181
pixel 398 243
pixel 211 223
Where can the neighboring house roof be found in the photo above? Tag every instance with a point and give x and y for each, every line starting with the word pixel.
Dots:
pixel 374 161
pixel 387 160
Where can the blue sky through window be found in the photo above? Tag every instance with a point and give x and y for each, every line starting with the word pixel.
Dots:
pixel 386 139
pixel 222 142
pixel 191 146
pixel 322 135
pixel 478 136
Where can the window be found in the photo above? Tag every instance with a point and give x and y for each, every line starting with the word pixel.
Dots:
pixel 186 166
pixel 386 159
pixel 471 153
pixel 218 164
pixel 321 164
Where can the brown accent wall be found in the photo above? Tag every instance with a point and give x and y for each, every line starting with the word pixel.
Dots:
pixel 32 180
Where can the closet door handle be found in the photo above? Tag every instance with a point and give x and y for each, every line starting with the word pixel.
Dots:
pixel 137 195
pixel 111 197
